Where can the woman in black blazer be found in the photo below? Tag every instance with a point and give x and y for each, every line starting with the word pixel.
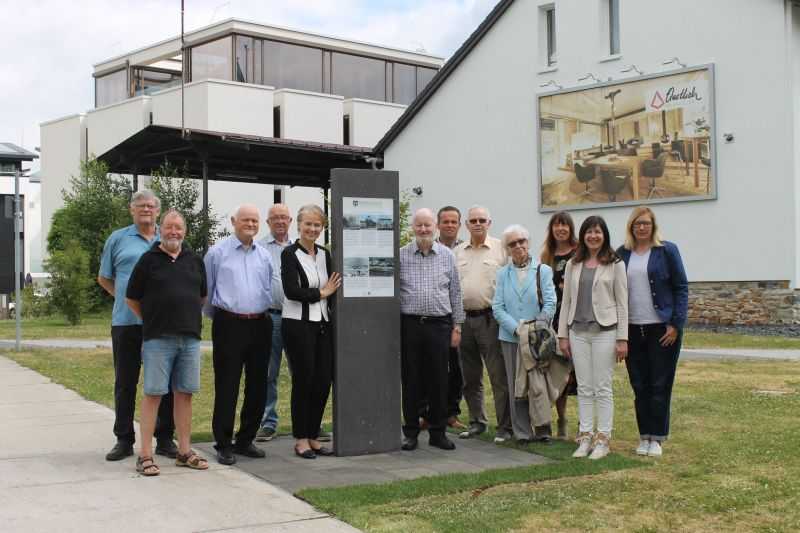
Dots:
pixel 306 327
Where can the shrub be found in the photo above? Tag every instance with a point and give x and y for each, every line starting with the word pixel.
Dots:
pixel 71 281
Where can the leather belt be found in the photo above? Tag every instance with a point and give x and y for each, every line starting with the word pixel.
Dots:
pixel 422 319
pixel 241 316
pixel 479 312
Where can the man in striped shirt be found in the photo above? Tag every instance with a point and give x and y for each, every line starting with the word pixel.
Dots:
pixel 432 314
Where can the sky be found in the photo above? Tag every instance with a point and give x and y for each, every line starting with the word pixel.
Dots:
pixel 48 47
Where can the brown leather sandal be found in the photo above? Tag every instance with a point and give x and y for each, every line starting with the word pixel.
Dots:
pixel 147 467
pixel 191 460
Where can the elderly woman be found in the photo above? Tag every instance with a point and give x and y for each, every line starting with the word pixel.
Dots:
pixel 593 330
pixel 516 301
pixel 308 283
pixel 658 294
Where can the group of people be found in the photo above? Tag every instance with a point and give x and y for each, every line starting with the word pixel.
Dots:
pixel 474 303
pixel 464 306
pixel 262 296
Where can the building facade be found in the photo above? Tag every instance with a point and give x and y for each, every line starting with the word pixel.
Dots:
pixel 12 158
pixel 475 135
pixel 241 78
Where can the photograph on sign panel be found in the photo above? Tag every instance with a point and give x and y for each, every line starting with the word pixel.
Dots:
pixel 631 142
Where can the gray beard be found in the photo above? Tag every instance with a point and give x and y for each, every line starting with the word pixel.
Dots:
pixel 172 245
pixel 424 242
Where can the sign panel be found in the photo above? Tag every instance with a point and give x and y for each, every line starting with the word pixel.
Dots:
pixel 649 139
pixel 368 246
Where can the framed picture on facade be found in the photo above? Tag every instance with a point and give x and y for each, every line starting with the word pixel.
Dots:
pixel 649 139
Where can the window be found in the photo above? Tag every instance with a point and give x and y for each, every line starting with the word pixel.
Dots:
pixel 613 27
pixel 424 77
pixel 111 88
pixel 289 66
pixel 248 59
pixel 212 60
pixel 358 77
pixel 148 81
pixel 550 32
pixel 404 83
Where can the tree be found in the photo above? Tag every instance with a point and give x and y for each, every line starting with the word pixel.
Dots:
pixel 177 190
pixel 96 204
pixel 406 235
pixel 71 280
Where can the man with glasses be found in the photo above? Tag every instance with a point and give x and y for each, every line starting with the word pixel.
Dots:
pixel 121 252
pixel 278 220
pixel 478 261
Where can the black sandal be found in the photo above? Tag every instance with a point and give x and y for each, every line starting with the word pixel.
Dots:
pixel 322 450
pixel 305 454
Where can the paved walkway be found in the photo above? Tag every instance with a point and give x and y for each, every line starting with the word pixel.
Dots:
pixel 687 354
pixel 53 476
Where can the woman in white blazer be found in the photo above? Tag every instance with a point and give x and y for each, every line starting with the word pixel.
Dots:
pixel 593 331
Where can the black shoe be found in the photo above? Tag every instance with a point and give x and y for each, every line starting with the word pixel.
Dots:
pixel 249 451
pixel 442 442
pixel 121 450
pixel 305 454
pixel 324 451
pixel 167 448
pixel 409 443
pixel 225 456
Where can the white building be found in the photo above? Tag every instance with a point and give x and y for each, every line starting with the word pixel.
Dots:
pixel 472 136
pixel 241 78
pixel 11 159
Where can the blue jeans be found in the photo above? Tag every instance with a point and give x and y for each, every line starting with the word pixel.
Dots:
pixel 270 419
pixel 171 363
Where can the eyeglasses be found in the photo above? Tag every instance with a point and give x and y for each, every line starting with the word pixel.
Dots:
pixel 145 206
pixel 518 242
pixel 277 218
pixel 478 220
pixel 642 224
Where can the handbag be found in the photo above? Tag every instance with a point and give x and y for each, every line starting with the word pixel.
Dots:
pixel 542 339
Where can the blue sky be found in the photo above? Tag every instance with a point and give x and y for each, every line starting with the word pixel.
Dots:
pixel 49 46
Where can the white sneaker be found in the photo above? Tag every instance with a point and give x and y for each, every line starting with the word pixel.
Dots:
pixel 600 450
pixel 644 447
pixel 655 449
pixel 584 445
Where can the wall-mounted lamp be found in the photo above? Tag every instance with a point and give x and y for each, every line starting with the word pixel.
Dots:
pixel 551 83
pixel 632 68
pixel 674 60
pixel 417 190
pixel 589 76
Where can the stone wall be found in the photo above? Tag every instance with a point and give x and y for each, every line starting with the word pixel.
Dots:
pixel 743 302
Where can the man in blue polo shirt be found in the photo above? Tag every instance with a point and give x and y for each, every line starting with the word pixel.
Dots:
pixel 122 250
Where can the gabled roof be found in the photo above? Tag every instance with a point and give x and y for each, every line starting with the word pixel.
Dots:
pixel 10 151
pixel 452 64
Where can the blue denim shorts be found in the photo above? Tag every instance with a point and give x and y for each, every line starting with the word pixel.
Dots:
pixel 171 361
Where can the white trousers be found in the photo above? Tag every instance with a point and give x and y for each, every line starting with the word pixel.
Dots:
pixel 594 357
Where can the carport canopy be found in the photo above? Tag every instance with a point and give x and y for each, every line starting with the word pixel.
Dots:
pixel 233 157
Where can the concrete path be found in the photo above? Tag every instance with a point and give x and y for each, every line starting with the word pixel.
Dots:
pixel 687 354
pixel 53 476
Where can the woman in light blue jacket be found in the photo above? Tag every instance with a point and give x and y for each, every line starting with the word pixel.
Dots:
pixel 515 301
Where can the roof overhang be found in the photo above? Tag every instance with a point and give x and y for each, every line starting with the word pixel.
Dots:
pixel 232 157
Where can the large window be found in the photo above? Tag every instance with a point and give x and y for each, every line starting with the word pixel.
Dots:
pixel 111 88
pixel 358 77
pixel 289 66
pixel 405 83
pixel 212 60
pixel 613 26
pixel 248 59
pixel 148 81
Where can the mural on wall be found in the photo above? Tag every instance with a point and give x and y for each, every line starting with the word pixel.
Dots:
pixel 641 141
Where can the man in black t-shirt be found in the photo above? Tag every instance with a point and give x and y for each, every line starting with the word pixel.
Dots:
pixel 167 290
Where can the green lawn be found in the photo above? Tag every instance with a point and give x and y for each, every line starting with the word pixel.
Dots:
pixel 731 465
pixel 98 326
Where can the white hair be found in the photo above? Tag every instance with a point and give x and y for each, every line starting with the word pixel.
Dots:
pixel 476 206
pixel 145 194
pixel 512 230
pixel 423 211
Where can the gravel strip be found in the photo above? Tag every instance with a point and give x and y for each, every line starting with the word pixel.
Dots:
pixel 772 330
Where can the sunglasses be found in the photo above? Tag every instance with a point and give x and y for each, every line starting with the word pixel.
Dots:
pixel 478 220
pixel 518 242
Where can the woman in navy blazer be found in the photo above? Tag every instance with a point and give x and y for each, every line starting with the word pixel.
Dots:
pixel 515 300
pixel 658 299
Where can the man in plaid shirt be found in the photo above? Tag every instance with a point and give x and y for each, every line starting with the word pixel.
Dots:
pixel 432 314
